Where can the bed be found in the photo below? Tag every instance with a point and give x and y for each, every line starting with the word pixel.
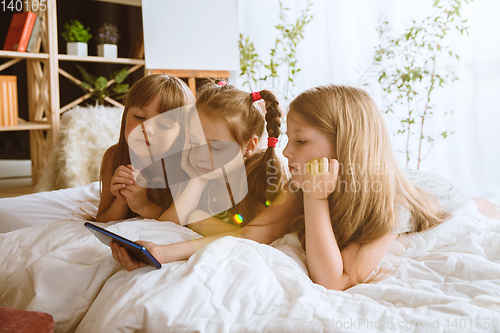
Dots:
pixel 445 279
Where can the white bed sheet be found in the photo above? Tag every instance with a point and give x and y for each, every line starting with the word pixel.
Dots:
pixel 445 279
pixel 450 273
pixel 45 207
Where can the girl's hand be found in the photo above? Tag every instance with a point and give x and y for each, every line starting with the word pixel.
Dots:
pixel 121 255
pixel 320 178
pixel 122 177
pixel 136 194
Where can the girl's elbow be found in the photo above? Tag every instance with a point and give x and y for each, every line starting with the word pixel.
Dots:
pixel 332 285
pixel 339 284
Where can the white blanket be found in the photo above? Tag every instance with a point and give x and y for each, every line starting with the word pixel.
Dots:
pixel 45 207
pixel 444 279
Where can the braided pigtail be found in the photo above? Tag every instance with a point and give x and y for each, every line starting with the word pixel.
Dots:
pixel 264 170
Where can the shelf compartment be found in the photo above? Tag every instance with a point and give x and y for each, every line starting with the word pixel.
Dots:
pixel 24 125
pixel 136 3
pixel 126 61
pixel 24 55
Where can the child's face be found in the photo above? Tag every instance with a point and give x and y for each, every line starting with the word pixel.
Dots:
pixel 160 132
pixel 212 147
pixel 304 143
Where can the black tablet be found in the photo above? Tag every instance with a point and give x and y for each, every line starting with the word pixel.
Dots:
pixel 135 250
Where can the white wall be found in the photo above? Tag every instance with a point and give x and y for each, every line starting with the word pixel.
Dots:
pixel 339 43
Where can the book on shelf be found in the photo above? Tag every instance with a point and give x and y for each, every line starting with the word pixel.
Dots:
pixel 37 29
pixel 19 32
pixel 8 100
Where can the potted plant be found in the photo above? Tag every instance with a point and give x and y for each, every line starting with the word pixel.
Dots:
pixel 76 37
pixel 107 38
pixel 102 88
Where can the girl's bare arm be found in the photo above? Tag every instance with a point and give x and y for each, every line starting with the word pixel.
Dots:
pixel 208 225
pixel 272 223
pixel 329 266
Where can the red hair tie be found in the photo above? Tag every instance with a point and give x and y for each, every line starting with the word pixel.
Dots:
pixel 271 142
pixel 256 96
pixel 221 83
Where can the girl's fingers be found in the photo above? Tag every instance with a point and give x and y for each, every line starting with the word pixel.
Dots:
pixel 124 172
pixel 334 166
pixel 117 187
pixel 315 167
pixel 123 169
pixel 319 166
pixel 126 191
pixel 115 252
pixel 128 262
pixel 122 180
pixel 115 190
pixel 323 166
pixel 312 167
pixel 123 260
pixel 309 167
pixel 126 175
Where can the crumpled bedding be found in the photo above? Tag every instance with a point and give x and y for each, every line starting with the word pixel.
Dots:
pixel 46 207
pixel 443 279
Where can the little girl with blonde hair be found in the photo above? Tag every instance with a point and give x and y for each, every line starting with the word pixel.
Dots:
pixel 356 199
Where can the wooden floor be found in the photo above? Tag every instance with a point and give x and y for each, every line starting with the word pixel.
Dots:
pixel 16 191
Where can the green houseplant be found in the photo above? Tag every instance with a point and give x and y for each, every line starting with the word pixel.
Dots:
pixel 102 88
pixel 107 39
pixel 76 37
pixel 409 70
pixel 282 69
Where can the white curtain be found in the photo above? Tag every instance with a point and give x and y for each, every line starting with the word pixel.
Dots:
pixel 339 43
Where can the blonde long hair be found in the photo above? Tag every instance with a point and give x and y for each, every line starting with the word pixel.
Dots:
pixel 370 185
pixel 236 109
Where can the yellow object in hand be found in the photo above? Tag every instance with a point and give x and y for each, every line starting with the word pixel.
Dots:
pixel 316 167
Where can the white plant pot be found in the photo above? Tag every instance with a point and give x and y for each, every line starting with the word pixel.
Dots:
pixel 107 50
pixel 77 49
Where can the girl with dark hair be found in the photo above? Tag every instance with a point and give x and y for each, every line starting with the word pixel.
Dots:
pixel 142 139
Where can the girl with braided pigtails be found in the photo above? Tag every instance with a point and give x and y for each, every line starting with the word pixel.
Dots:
pixel 222 139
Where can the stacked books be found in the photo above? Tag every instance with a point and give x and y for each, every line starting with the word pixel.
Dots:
pixel 8 100
pixel 24 31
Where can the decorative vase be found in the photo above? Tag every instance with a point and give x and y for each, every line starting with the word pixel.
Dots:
pixel 77 49
pixel 107 50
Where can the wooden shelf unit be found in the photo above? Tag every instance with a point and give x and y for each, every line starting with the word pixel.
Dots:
pixel 137 3
pixel 23 55
pixel 126 61
pixel 43 91
pixel 43 86
pixel 24 125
